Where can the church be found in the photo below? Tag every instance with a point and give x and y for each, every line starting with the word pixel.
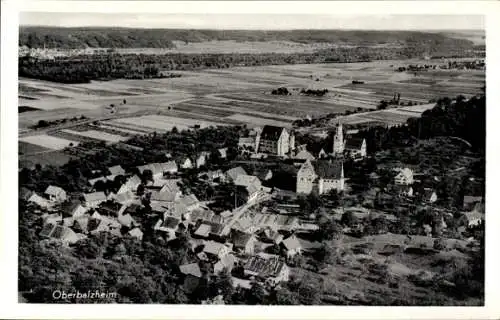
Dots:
pixel 350 145
pixel 321 175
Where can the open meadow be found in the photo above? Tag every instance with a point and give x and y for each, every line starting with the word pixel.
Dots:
pixel 239 95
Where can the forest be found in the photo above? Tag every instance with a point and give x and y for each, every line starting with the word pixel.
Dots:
pixel 99 37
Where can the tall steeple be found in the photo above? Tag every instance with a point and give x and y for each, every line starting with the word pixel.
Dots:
pixel 338 140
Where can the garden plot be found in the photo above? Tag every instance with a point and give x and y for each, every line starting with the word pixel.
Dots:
pixel 166 123
pixel 97 135
pixel 49 142
pixel 258 121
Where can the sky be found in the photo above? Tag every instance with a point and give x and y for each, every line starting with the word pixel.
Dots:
pixel 254 21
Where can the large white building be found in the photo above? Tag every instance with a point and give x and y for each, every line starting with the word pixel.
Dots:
pixel 274 140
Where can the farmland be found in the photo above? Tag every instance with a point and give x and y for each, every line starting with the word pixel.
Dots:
pixel 119 109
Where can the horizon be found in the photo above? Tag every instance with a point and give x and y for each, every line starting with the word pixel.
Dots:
pixel 254 22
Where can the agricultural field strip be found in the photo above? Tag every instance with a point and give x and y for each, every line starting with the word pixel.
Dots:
pixel 225 112
pixel 115 127
pixel 49 142
pixel 258 121
pixel 30 148
pixel 99 135
pixel 164 122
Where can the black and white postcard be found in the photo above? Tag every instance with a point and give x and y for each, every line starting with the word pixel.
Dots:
pixel 260 158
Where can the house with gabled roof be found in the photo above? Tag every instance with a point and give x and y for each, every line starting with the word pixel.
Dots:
pixel 61 233
pixel 81 224
pixel 55 193
pixel 323 175
pixel 73 209
pixel 292 246
pixel 189 201
pixel 192 269
pixel 274 140
pixel 226 263
pixel 39 201
pixel 355 147
pixel 116 170
pixel 186 163
pixel 270 269
pixel 215 249
pixel 92 200
pixel 404 176
pixel 304 155
pixel 232 174
pixel 429 195
pixel 131 184
pixel 125 198
pixel 169 225
pixel 243 242
pixel 171 186
pixel 25 193
pixel 126 220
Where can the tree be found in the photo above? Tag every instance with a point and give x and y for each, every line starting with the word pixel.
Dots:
pixel 147 175
pixel 349 219
pixel 328 229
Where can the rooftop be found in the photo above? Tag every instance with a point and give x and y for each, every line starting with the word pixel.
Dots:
pixel 271 133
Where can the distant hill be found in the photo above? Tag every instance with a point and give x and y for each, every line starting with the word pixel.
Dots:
pixel 101 37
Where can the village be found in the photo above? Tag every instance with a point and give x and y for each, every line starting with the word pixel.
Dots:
pixel 258 232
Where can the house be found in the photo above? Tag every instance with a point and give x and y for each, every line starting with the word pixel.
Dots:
pixel 304 155
pixel 323 175
pixel 252 185
pixel 55 194
pixel 201 160
pixel 270 235
pixel 25 193
pixel 58 232
pixel 473 218
pixel 212 175
pixel 272 269
pixel 429 195
pixel 404 177
pixel 246 143
pixel 404 190
pixel 169 225
pixel 130 185
pixel 136 233
pixel 322 154
pixel 190 202
pixel 111 208
pixel 171 186
pixel 54 218
pixel 186 163
pixel 232 174
pixel 263 174
pixel 192 269
pixel 226 263
pixel 355 147
pixel 222 153
pixel 201 214
pixel 203 230
pixel 81 224
pixel 40 201
pixel 170 167
pixel 124 197
pixel 243 242
pixel 274 140
pixel 470 202
pixel 92 200
pixel 215 249
pixel 116 170
pixel 165 199
pixel 292 246
pixel 73 209
pixel 126 220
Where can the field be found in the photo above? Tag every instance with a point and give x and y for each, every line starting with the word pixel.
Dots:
pixel 49 142
pixel 240 95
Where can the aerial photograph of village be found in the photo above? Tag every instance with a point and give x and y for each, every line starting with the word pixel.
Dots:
pixel 240 165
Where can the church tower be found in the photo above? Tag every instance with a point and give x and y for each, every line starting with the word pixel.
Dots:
pixel 338 141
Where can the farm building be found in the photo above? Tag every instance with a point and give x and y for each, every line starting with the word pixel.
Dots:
pixel 232 174
pixel 92 200
pixel 55 194
pixel 270 269
pixel 274 140
pixel 404 176
pixel 323 175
